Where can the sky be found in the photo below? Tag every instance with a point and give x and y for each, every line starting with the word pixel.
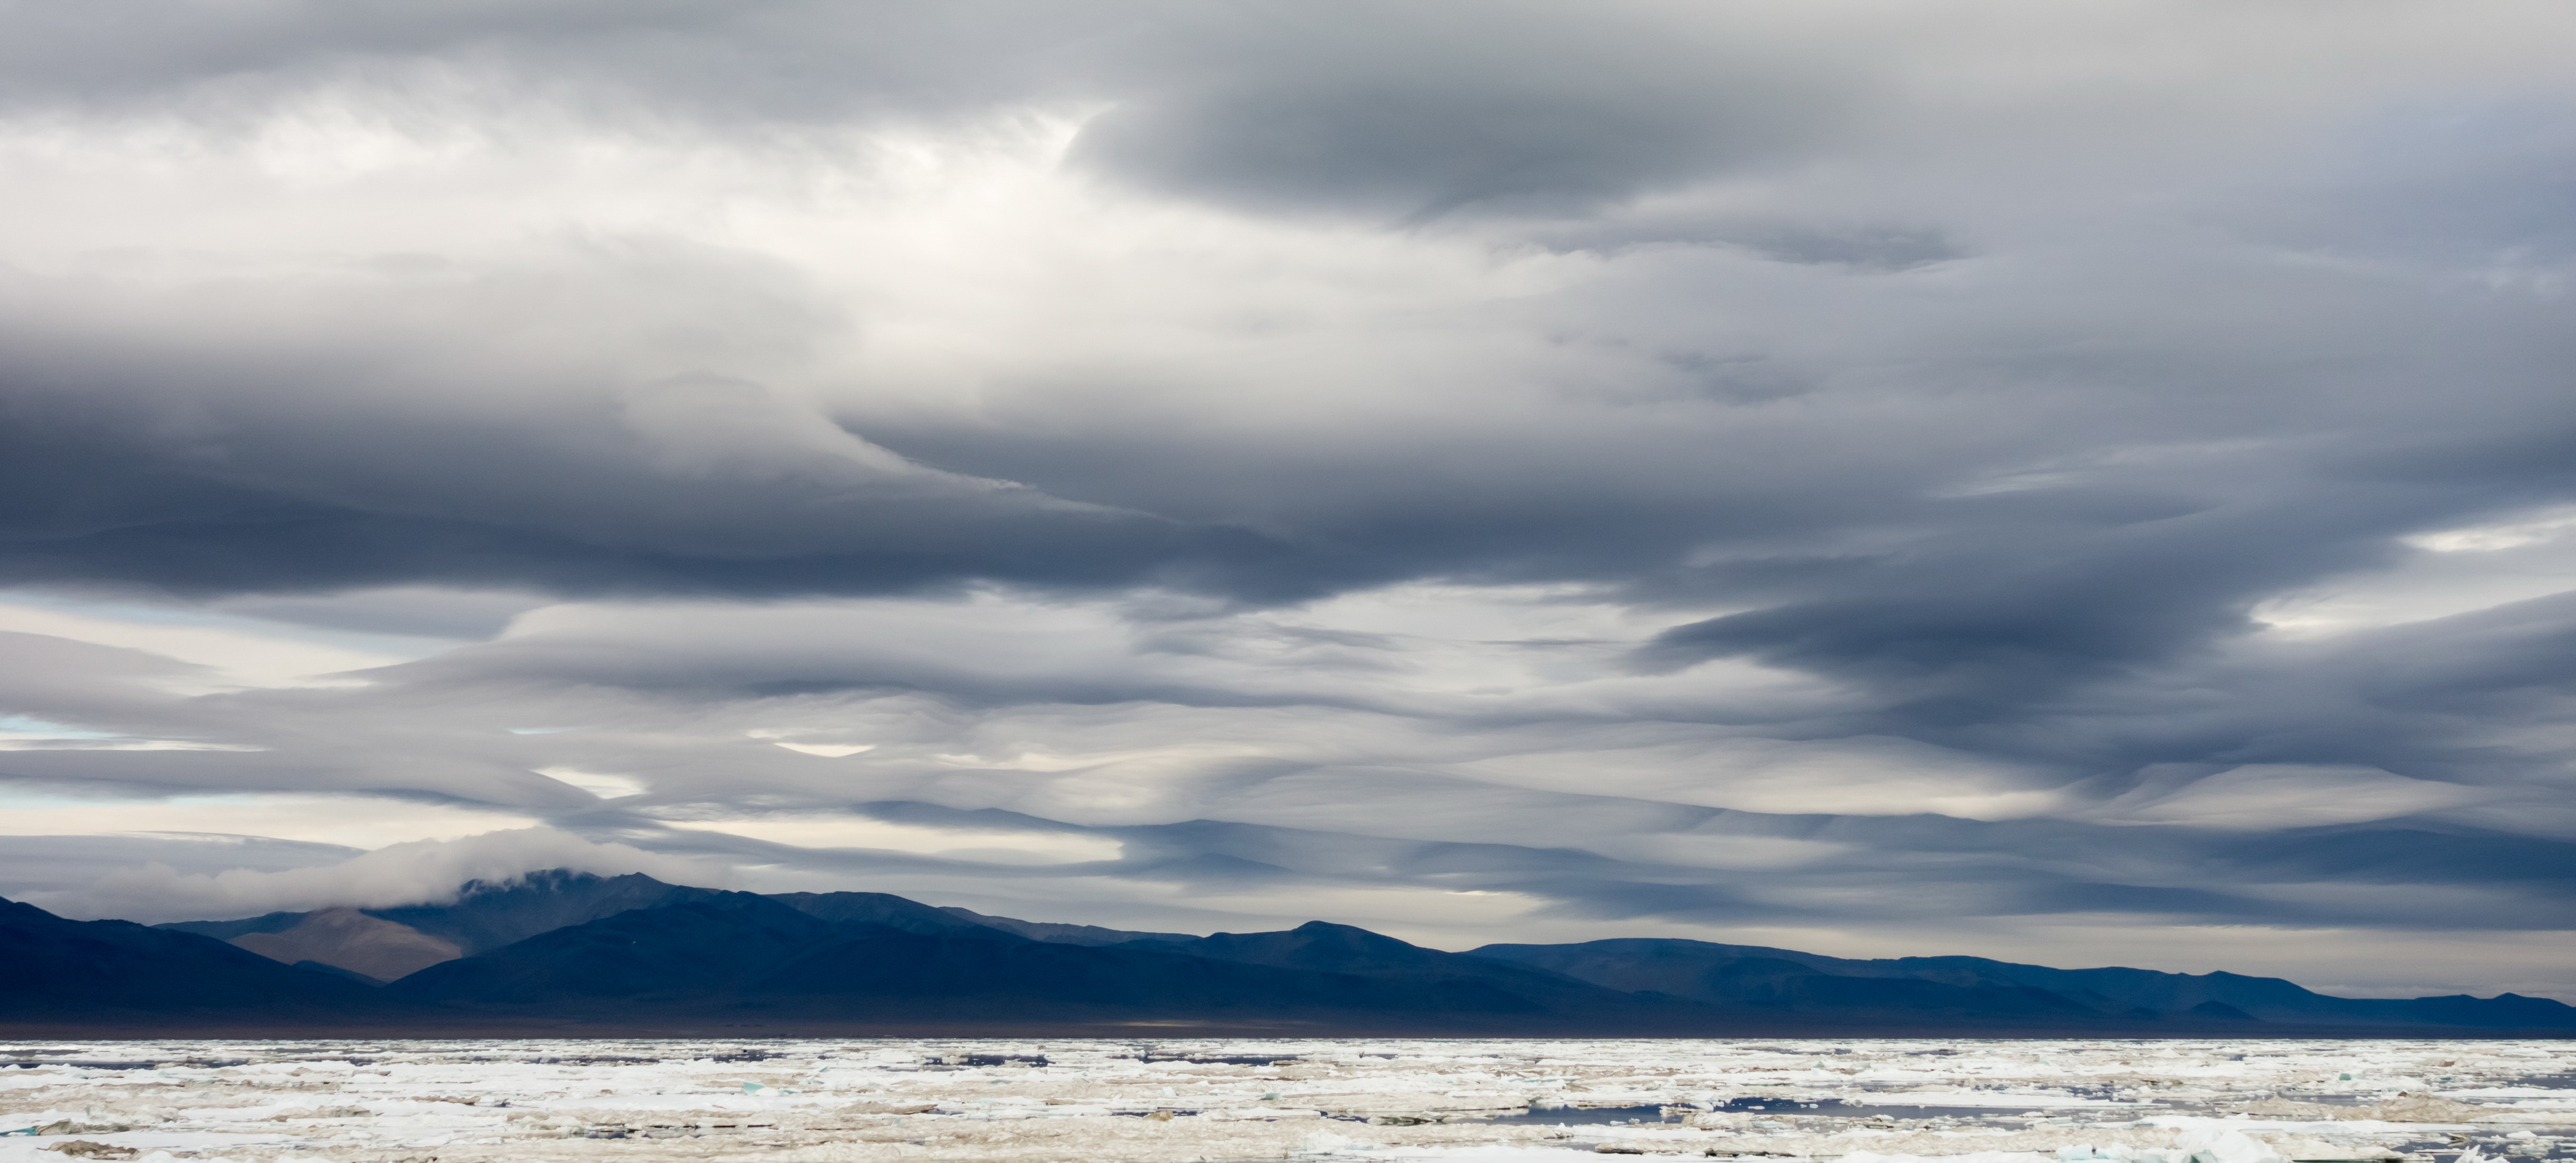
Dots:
pixel 2086 484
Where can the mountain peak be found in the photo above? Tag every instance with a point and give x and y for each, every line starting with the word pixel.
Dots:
pixel 552 880
pixel 1348 932
pixel 889 910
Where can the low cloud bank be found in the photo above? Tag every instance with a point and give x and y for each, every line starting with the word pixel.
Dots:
pixel 419 872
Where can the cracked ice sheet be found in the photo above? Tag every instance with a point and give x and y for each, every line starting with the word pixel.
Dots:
pixel 1891 1101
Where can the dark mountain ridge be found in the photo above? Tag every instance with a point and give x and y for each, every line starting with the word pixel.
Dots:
pixel 884 909
pixel 1068 934
pixel 1976 986
pixel 1323 947
pixel 558 948
pixel 874 960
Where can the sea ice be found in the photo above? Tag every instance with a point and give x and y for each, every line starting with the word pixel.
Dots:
pixel 825 1101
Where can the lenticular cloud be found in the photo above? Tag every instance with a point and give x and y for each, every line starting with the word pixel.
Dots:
pixel 418 872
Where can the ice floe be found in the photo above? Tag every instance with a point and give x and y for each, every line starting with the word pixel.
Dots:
pixel 824 1101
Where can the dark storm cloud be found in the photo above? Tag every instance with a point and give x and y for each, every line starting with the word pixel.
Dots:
pixel 1412 112
pixel 264 453
pixel 2010 869
pixel 767 58
pixel 1432 109
pixel 245 462
pixel 310 441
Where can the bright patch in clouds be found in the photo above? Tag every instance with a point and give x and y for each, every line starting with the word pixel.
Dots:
pixel 829 750
pixel 342 820
pixel 985 847
pixel 2489 538
pixel 603 786
pixel 2261 797
pixel 219 653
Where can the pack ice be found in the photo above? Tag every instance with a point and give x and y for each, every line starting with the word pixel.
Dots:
pixel 1179 1099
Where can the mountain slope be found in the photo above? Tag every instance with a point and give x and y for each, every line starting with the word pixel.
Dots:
pixel 1067 934
pixel 389 943
pixel 352 941
pixel 489 916
pixel 111 972
pixel 912 916
pixel 688 948
pixel 918 976
pixel 1460 980
pixel 1976 987
pixel 2268 999
pixel 227 930
pixel 885 909
pixel 1790 983
pixel 738 953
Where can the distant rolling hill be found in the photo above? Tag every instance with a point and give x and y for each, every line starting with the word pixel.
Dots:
pixel 1460 981
pixel 554 950
pixel 1977 987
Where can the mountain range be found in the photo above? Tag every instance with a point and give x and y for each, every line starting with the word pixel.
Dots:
pixel 564 952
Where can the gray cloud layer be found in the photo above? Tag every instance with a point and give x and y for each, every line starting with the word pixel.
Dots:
pixel 1796 470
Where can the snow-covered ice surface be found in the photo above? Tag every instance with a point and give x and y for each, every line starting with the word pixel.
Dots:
pixel 1179 1099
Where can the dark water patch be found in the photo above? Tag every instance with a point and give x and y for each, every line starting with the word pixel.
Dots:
pixel 1847 1109
pixel 1587 1116
pixel 1223 1059
pixel 971 1060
